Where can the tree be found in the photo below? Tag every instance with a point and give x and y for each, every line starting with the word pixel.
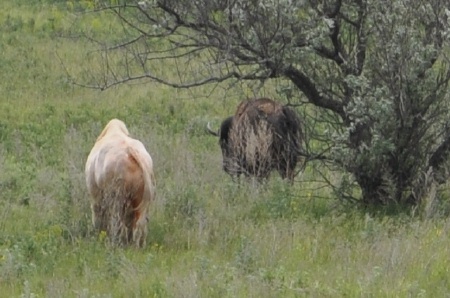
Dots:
pixel 376 73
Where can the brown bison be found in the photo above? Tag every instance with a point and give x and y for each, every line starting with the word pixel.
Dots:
pixel 121 184
pixel 262 136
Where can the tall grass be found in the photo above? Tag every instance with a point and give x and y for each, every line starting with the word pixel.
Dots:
pixel 208 236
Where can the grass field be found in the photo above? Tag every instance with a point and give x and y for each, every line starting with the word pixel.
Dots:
pixel 208 237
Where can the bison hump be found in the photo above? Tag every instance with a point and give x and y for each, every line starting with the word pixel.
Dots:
pixel 258 106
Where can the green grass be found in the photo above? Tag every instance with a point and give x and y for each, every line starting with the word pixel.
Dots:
pixel 208 237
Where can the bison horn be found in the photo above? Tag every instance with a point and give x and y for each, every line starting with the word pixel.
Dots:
pixel 214 133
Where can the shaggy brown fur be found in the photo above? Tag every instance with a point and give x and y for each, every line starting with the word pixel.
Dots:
pixel 262 136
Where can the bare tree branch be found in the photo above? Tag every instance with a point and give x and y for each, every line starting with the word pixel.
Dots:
pixel 311 92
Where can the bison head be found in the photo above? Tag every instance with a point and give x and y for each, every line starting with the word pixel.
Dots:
pixel 224 141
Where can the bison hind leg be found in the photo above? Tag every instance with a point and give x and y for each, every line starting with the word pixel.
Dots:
pixel 286 169
pixel 125 214
pixel 119 231
pixel 100 216
pixel 140 232
pixel 111 215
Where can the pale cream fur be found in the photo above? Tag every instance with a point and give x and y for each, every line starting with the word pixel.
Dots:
pixel 119 174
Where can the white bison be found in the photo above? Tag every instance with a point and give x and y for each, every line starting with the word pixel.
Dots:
pixel 121 184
